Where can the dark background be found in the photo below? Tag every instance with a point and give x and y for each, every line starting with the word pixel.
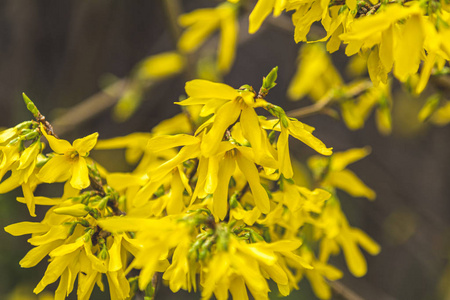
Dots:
pixel 59 53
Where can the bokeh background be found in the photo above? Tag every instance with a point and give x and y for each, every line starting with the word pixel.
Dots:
pixel 64 53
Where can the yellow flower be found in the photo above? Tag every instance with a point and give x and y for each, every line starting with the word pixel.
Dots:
pixel 69 161
pixel 356 112
pixel 202 23
pixel 336 174
pixel 338 232
pixel 316 74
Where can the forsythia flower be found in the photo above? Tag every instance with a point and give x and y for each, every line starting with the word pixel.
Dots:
pixel 69 161
pixel 202 23
pixel 335 174
pixel 315 75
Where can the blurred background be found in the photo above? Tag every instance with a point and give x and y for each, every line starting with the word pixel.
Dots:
pixel 73 57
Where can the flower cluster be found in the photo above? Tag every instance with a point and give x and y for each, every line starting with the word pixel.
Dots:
pixel 396 35
pixel 212 204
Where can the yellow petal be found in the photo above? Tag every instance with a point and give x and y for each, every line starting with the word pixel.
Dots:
pixel 187 152
pixel 35 255
pixel 319 285
pixel 57 169
pixel 54 270
pixel 365 241
pixel 29 155
pixel 213 173
pixel 225 116
pixel 251 174
pixel 39 200
pixel 115 258
pixel 262 9
pixel 351 4
pixel 284 157
pixel 426 72
pixel 228 37
pixel 59 232
pixel 196 34
pixel 121 181
pixel 409 47
pixel 161 65
pixel 26 228
pixel 355 260
pixel 347 180
pixel 220 199
pixel 200 88
pixel 29 198
pixel 341 160
pixel 297 130
pixel 387 48
pixel 67 248
pixel 175 203
pixel 86 144
pixel 80 174
pixel 57 145
pixel 164 142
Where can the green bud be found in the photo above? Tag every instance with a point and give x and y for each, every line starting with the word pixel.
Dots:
pixel 272 136
pixel 233 200
pixel 14 141
pixel 23 125
pixel 342 9
pixel 103 255
pixel 72 228
pixel 269 81
pixel 87 236
pixel 103 202
pixel 42 160
pixel 223 240
pixel 255 237
pixel 77 210
pixel 247 87
pixel 31 106
pixel 84 223
pixel 205 248
pixel 30 135
pixel 160 191
pixel 266 235
pixel 284 121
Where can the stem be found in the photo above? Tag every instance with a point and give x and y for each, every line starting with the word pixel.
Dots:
pixel 326 100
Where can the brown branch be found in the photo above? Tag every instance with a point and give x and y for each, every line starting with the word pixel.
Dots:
pixel 91 107
pixel 326 100
pixel 344 291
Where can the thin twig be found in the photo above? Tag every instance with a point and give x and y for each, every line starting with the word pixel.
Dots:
pixel 90 107
pixel 326 100
pixel 344 291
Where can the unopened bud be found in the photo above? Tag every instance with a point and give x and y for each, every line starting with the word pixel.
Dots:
pixel 269 81
pixel 103 255
pixel 76 210
pixel 30 106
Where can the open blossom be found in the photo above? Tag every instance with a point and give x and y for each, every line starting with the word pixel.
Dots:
pixel 69 161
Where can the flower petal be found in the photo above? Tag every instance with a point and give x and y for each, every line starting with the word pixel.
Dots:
pixel 57 145
pixel 57 169
pixel 200 88
pixel 80 174
pixel 84 145
pixel 251 174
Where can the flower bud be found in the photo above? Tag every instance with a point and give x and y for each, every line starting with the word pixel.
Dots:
pixel 76 210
